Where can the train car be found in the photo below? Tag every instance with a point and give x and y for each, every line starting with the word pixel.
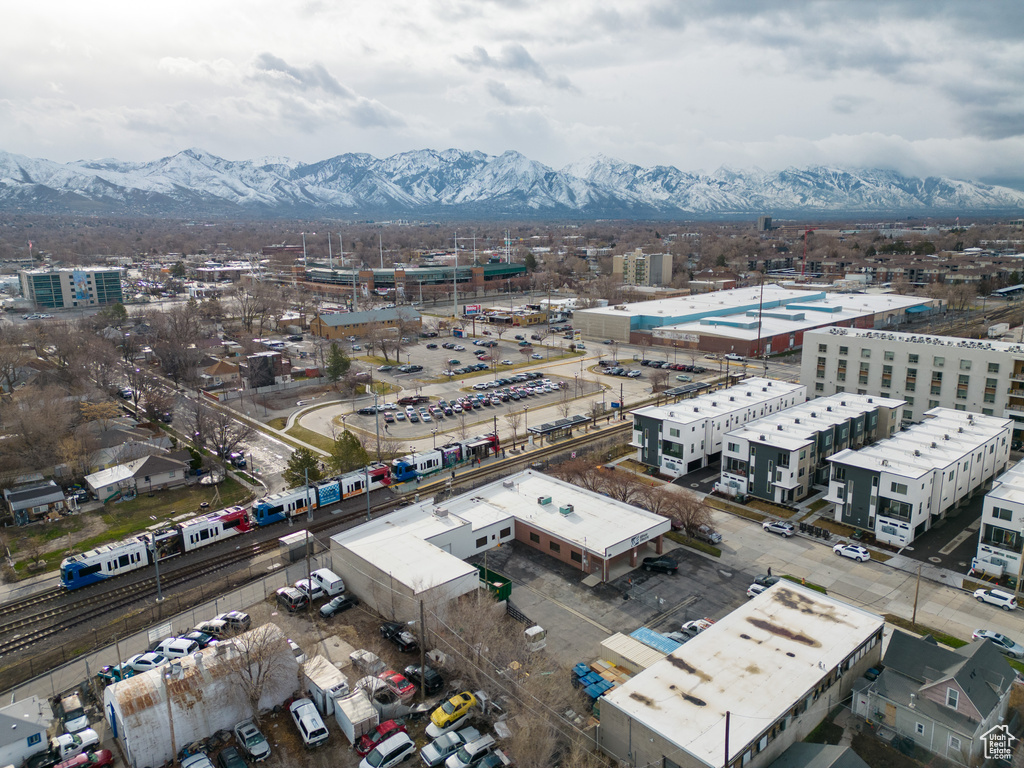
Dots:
pixel 213 527
pixel 451 455
pixel 416 465
pixel 104 562
pixel 380 476
pixel 282 506
pixel 327 492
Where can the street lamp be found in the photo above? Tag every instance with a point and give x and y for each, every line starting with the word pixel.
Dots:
pixel 433 435
pixel 526 423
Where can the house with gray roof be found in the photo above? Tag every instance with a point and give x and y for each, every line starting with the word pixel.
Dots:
pixel 943 699
pixel 23 727
pixel 34 502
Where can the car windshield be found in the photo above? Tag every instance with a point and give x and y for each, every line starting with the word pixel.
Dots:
pixel 448 707
pixel 375 758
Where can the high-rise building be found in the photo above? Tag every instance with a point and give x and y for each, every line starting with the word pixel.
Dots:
pixel 638 268
pixel 66 288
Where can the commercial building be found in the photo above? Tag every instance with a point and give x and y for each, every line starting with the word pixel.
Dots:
pixel 985 377
pixel 755 682
pixel 780 457
pixel 1002 525
pixel 417 552
pixel 744 321
pixel 341 325
pixel 901 487
pixel 683 437
pixel 409 282
pixel 638 268
pixel 65 288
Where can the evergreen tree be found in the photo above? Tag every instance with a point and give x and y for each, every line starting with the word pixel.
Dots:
pixel 530 261
pixel 301 461
pixel 347 454
pixel 337 363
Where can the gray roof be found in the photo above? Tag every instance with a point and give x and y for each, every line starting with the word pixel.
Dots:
pixel 21 719
pixel 804 755
pixel 155 465
pixel 46 492
pixel 912 664
pixel 374 315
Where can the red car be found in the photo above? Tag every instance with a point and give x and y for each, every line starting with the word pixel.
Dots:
pixel 95 759
pixel 398 683
pixel 366 742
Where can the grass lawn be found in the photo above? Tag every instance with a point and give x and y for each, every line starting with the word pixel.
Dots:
pixel 322 442
pixel 735 509
pixel 126 518
pixel 921 629
pixel 815 506
pixel 686 541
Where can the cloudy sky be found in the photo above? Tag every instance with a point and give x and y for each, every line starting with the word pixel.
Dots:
pixel 921 86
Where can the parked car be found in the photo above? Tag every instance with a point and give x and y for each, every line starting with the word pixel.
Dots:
pixel 252 741
pixel 338 604
pixel 765 580
pixel 662 564
pixel 399 635
pixel 309 723
pixel 143 662
pixel 292 599
pixel 1010 647
pixel 695 627
pixel 177 647
pixel 470 754
pixel 755 589
pixel 217 629
pixel 229 758
pixel 431 678
pixel 777 526
pixel 852 551
pixel 198 760
pixel 238 621
pixel 708 535
pixel 365 743
pixel 97 759
pixel 437 751
pixel 453 710
pixel 398 683
pixel 1004 600
pixel 390 753
pixel 303 585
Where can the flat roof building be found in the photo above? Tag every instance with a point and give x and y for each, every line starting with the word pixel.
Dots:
pixel 341 325
pixel 744 321
pixel 683 437
pixel 418 551
pixel 780 457
pixel 758 680
pixel 1001 534
pixel 65 288
pixel 901 487
pixel 983 376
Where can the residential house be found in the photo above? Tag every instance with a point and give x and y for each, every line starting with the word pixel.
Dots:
pixel 116 442
pixel 219 374
pixel 149 473
pixel 943 699
pixel 34 502
pixel 1002 525
pixel 23 727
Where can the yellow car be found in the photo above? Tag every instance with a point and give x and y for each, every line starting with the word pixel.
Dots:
pixel 453 709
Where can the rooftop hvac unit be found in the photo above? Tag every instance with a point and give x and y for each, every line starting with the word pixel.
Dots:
pixel 828 408
pixel 917 452
pixel 935 445
pixel 945 437
pixel 566 509
pixel 842 403
pixel 778 427
pixel 714 405
pixel 959 429
pixel 732 399
pixel 764 389
pixel 870 400
pixel 509 483
pixel 814 414
pixel 763 438
pixel 796 421
pixel 441 512
pixel 543 500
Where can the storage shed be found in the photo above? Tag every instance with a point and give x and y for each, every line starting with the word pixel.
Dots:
pixel 629 653
pixel 154 714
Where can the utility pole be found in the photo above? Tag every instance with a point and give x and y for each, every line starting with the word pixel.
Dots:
pixel 455 280
pixel 423 660
pixel 917 590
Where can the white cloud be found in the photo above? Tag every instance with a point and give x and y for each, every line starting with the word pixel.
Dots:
pixel 924 86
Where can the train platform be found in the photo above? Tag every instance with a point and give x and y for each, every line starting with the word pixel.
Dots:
pixel 19 590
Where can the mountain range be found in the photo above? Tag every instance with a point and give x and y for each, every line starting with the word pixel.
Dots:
pixel 460 184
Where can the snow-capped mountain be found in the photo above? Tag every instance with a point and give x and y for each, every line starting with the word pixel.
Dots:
pixel 459 184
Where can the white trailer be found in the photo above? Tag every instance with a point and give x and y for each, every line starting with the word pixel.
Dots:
pixel 325 684
pixel 355 715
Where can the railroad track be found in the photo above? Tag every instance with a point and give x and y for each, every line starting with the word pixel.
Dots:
pixel 40 598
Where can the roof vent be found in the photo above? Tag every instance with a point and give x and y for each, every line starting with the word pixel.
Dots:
pixel 885 462
pixel 959 429
pixel 672 414
pixel 917 452
pixel 714 404
pixel 509 483
pixel 763 438
pixel 945 437
pixel 441 512
pixel 828 408
pixel 935 445
pixel 796 421
pixel 778 427
pixel 870 400
pixel 764 389
pixel 696 410
pixel 814 414
pixel 732 399
pixel 842 403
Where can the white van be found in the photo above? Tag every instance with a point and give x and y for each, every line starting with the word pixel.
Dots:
pixel 329 581
pixel 177 647
pixel 307 720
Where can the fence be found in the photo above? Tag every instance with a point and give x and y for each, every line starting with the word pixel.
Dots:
pixel 64 667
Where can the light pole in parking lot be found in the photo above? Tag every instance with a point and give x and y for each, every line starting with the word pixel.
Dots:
pixel 526 423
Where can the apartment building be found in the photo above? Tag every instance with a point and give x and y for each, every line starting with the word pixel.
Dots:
pixel 780 457
pixel 66 288
pixel 985 377
pixel 900 487
pixel 686 436
pixel 1002 525
pixel 638 268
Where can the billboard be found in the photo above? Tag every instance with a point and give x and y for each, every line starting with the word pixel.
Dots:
pixel 472 309
pixel 81 280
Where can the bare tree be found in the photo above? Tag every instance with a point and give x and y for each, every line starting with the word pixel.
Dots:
pixel 514 419
pixel 263 661
pixel 565 404
pixel 226 433
pixel 645 343
pixel 13 356
pixel 659 380
pixel 462 427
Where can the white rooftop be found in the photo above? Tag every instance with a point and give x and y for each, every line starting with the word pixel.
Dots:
pixel 943 438
pixel 923 339
pixel 747 394
pixel 1009 486
pixel 796 426
pixel 754 663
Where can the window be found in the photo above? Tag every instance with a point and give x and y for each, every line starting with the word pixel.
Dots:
pixel 823 347
pixel 554 546
pixel 912 359
pixel 938 362
pixel 993 367
pixel 505 533
pixel 821 361
pixel 933 404
pixel 909 399
pixel 952 697
pixel 888 354
pixel 965 365
pixel 481 542
pixel 35 738
pixel 844 351
pixel 673 432
pixel 819 386
pixel 919 729
pixel 865 353
pixel 535 538
pixel 954 743
pixel 899 488
pixel 1002 514
pixel 577 557
pixel 986 412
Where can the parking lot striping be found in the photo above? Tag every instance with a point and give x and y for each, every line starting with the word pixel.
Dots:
pixel 666 613
pixel 562 605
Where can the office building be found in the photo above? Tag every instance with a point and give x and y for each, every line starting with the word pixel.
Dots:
pixel 981 376
pixel 901 487
pixel 67 288
pixel 683 437
pixel 780 457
